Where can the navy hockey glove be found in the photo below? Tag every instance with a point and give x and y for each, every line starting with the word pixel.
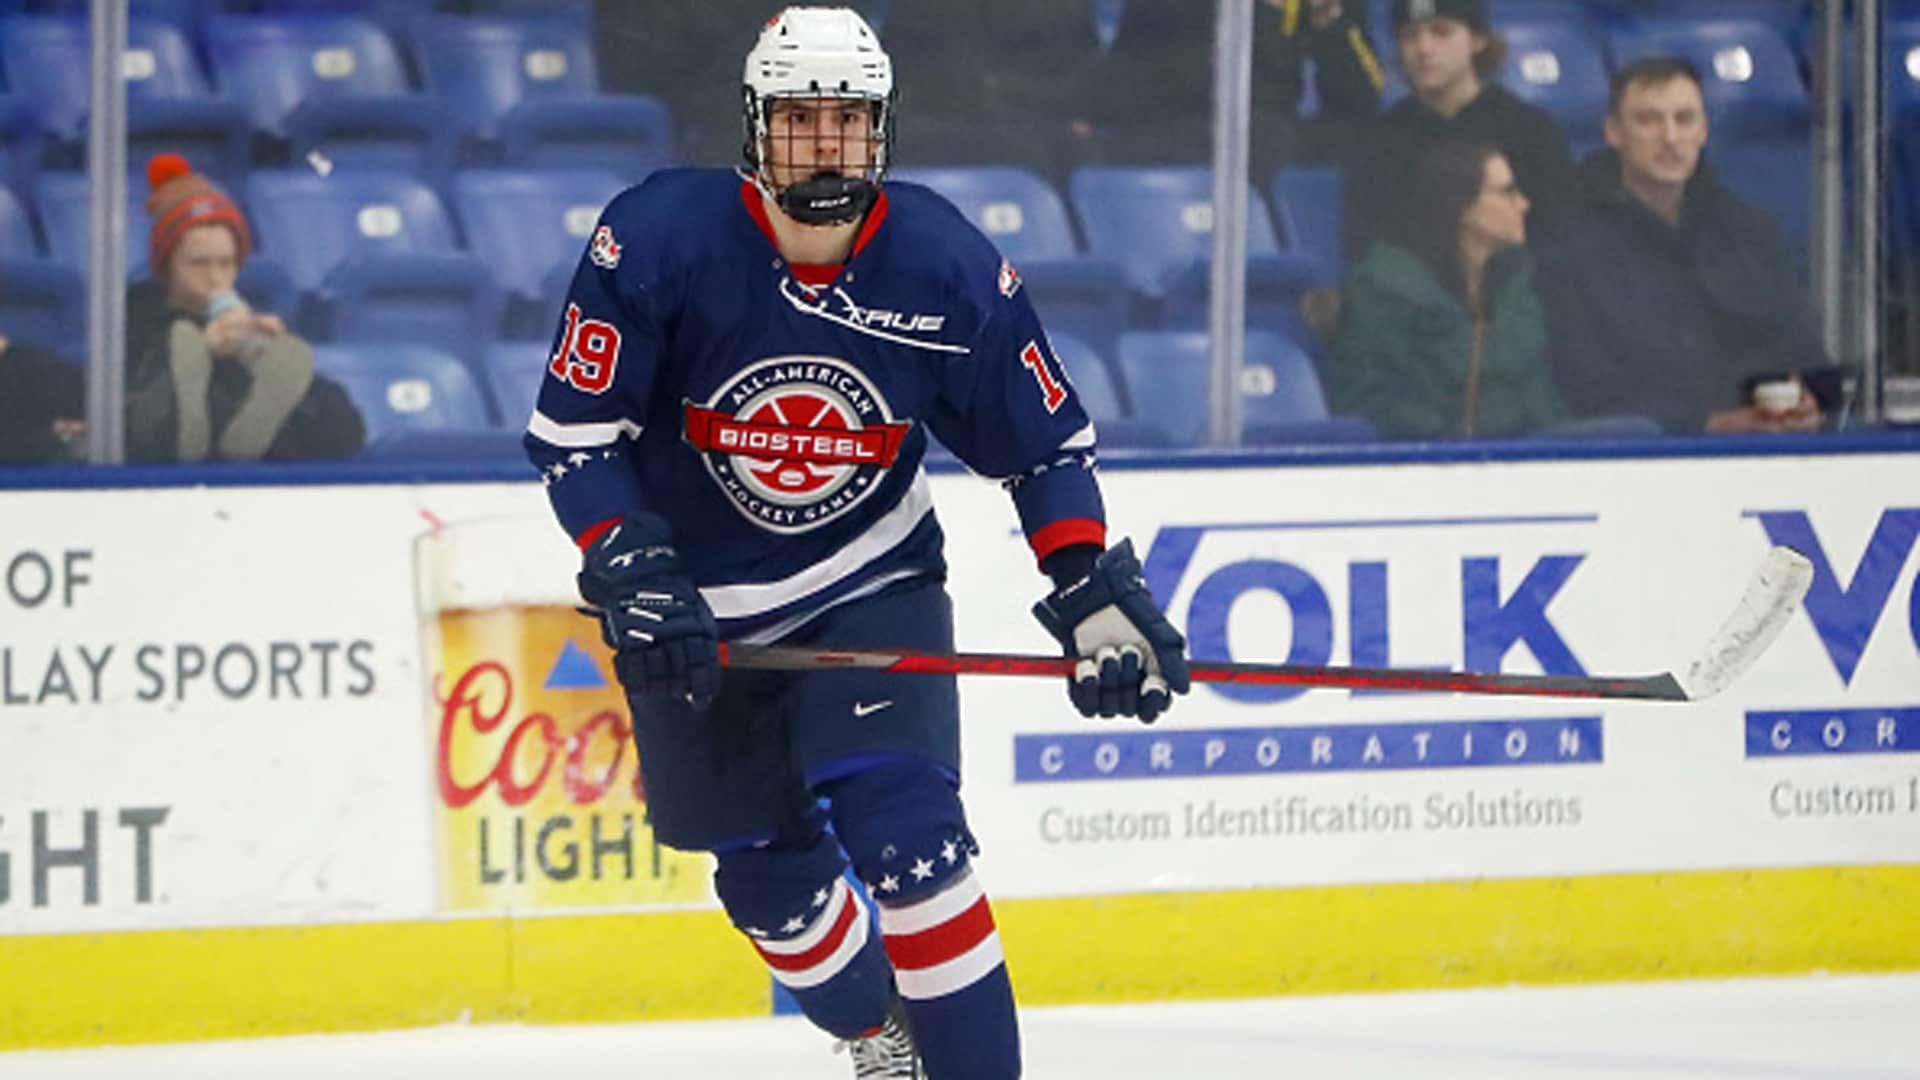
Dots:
pixel 1130 655
pixel 662 633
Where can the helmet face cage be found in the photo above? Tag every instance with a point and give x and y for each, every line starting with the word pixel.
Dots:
pixel 865 164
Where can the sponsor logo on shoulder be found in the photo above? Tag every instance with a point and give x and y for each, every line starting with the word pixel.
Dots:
pixel 1009 279
pixel 604 251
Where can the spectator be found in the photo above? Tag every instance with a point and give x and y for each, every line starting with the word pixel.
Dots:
pixel 1151 95
pixel 1443 334
pixel 46 406
pixel 1450 55
pixel 1667 294
pixel 1318 39
pixel 207 375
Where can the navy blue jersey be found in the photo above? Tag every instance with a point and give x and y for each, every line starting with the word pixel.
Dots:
pixel 777 416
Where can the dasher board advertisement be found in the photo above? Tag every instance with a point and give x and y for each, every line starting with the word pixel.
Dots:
pixel 327 704
pixel 1621 567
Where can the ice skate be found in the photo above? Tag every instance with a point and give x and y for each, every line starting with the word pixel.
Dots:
pixel 887 1054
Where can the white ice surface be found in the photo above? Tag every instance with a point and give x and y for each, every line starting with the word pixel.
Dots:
pixel 1817 1028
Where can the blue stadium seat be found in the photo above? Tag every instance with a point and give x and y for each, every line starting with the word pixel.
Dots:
pixel 1092 380
pixel 40 301
pixel 393 16
pixel 1307 211
pixel 1020 212
pixel 1099 392
pixel 630 135
pixel 376 256
pixel 1167 371
pixel 1903 66
pixel 1026 219
pixel 553 294
pixel 1750 75
pixel 17 129
pixel 311 224
pixel 267 287
pixel 1560 68
pixel 523 222
pixel 332 85
pixel 514 370
pixel 61 199
pixel 484 68
pixel 489 446
pixel 404 388
pixel 447 301
pixel 186 14
pixel 17 240
pixel 1786 16
pixel 170 105
pixel 1157 222
pixel 1085 297
pixel 578 10
pixel 1275 285
pixel 43 304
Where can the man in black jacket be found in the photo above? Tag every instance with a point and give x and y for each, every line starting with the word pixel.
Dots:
pixel 1666 295
pixel 1450 55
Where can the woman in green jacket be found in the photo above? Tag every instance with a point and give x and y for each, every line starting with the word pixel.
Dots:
pixel 1442 334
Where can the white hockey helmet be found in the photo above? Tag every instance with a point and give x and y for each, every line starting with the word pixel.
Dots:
pixel 819 52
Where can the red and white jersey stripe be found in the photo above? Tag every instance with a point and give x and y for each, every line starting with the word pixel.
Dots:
pixel 943 943
pixel 825 949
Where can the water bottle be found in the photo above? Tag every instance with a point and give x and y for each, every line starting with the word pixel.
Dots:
pixel 220 303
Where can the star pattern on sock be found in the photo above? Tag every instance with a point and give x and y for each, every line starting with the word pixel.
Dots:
pixel 923 869
pixel 887 884
pixel 820 898
pixel 950 852
pixel 794 925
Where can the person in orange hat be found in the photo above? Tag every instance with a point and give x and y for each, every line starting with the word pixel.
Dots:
pixel 208 376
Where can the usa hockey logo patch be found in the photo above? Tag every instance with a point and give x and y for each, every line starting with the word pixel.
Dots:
pixel 796 441
pixel 604 252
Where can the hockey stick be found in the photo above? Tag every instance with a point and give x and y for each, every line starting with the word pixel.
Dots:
pixel 1768 603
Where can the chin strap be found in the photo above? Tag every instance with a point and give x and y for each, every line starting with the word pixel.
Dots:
pixel 828 200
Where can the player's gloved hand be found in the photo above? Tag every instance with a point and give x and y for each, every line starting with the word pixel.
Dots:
pixel 663 635
pixel 1132 660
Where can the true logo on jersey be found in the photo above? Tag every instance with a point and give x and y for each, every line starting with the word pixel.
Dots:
pixel 796 441
pixel 1009 279
pixel 604 252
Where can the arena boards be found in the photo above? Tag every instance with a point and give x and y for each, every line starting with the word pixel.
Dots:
pixel 255 776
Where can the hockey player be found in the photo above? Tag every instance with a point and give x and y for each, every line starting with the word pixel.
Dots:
pixel 744 383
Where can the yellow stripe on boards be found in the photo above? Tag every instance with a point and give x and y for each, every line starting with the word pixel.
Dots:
pixel 91 989
pixel 1359 938
pixel 163 986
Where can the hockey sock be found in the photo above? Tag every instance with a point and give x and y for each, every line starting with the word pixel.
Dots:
pixel 903 824
pixel 951 972
pixel 813 932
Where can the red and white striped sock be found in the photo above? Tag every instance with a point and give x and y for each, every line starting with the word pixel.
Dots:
pixel 942 944
pixel 832 942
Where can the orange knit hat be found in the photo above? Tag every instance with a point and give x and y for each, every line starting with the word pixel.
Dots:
pixel 181 199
